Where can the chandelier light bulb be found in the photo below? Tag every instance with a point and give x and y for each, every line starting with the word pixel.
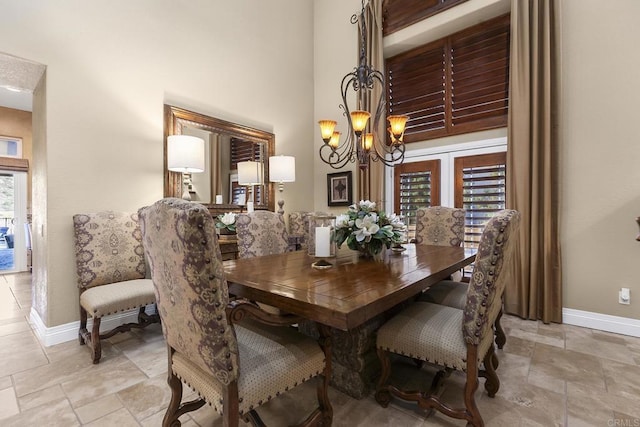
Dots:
pixel 359 121
pixel 326 129
pixel 335 140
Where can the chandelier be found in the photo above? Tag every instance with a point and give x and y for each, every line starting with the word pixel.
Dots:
pixel 363 142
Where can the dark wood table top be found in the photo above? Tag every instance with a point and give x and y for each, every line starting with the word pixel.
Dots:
pixel 353 291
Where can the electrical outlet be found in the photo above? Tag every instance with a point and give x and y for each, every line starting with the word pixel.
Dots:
pixel 624 296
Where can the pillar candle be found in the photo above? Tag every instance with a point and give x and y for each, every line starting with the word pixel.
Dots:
pixel 218 199
pixel 249 207
pixel 323 241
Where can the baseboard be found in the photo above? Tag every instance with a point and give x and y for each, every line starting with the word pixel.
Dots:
pixel 601 322
pixel 69 331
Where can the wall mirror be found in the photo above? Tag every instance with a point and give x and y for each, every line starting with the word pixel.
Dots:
pixel 226 144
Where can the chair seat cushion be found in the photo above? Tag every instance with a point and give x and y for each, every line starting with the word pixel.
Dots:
pixel 429 332
pixel 447 292
pixel 272 361
pixel 119 296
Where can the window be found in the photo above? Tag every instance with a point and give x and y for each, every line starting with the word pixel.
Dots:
pixel 480 189
pixel 417 185
pixel 398 14
pixel 468 175
pixel 458 84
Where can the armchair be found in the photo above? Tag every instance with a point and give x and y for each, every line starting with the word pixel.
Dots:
pixel 452 338
pixel 234 355
pixel 111 274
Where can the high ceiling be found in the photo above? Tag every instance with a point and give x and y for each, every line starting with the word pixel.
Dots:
pixel 22 76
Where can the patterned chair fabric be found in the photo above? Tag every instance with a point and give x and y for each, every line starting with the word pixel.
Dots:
pixel 451 293
pixel 111 272
pixel 451 337
pixel 261 233
pixel 439 225
pixel 296 222
pixel 233 367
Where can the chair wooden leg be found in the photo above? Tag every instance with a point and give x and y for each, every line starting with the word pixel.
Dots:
pixel 383 397
pixel 83 333
pixel 501 337
pixel 96 346
pixel 473 413
pixel 171 416
pixel 326 343
pixel 492 382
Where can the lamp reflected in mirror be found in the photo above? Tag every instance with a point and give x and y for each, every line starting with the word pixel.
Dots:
pixel 185 154
pixel 250 174
pixel 282 169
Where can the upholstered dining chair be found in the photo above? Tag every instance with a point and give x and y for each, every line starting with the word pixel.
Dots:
pixel 456 339
pixel 440 225
pixel 235 356
pixel 296 222
pixel 261 233
pixel 111 272
pixel 443 226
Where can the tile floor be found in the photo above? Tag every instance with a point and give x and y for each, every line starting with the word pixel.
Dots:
pixel 551 375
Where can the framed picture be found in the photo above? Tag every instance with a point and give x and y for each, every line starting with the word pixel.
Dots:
pixel 339 189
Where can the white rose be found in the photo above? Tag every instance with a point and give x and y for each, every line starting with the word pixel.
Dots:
pixel 228 219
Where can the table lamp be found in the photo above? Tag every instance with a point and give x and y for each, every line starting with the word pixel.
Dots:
pixel 185 154
pixel 250 174
pixel 282 169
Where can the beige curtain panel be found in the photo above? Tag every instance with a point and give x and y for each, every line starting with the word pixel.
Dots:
pixel 371 180
pixel 532 160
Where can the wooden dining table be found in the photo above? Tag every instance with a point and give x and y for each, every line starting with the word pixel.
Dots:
pixel 353 297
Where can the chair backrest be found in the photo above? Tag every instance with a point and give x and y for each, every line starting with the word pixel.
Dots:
pixel 440 225
pixel 108 248
pixel 191 291
pixel 296 222
pixel 261 233
pixel 490 273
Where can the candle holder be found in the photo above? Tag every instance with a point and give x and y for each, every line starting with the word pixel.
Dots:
pixel 322 242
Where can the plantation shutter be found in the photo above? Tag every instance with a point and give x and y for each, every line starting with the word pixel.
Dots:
pixel 480 77
pixel 416 88
pixel 458 84
pixel 398 14
pixel 417 185
pixel 480 184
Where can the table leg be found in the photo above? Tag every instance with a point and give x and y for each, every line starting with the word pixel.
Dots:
pixel 355 365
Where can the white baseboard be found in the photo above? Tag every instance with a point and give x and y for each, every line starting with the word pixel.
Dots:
pixel 69 331
pixel 601 322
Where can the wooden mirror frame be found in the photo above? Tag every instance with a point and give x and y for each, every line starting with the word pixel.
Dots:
pixel 175 118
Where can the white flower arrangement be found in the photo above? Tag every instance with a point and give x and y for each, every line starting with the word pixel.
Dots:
pixel 368 230
pixel 226 221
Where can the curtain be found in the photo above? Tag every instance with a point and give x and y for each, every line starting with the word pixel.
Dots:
pixel 371 180
pixel 532 160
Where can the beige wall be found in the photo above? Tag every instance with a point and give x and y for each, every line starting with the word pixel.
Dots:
pixel 17 123
pixel 110 68
pixel 600 177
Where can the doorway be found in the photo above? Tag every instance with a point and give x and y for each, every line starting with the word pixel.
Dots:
pixel 13 217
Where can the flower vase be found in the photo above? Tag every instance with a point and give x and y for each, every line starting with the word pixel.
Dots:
pixel 364 252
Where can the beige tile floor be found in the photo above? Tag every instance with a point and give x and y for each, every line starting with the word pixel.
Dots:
pixel 551 375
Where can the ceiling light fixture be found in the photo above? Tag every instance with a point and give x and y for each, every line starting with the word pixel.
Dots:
pixel 363 142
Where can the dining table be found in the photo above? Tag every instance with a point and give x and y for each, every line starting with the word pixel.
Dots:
pixel 351 299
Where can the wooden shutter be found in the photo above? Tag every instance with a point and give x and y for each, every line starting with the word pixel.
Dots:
pixel 480 76
pixel 398 14
pixel 416 84
pixel 480 184
pixel 456 85
pixel 417 185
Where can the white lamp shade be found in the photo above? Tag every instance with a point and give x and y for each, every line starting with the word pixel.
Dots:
pixel 282 169
pixel 249 173
pixel 185 153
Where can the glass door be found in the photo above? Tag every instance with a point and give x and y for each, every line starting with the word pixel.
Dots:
pixel 13 215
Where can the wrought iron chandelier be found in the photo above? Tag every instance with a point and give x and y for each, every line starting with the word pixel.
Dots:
pixel 363 141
